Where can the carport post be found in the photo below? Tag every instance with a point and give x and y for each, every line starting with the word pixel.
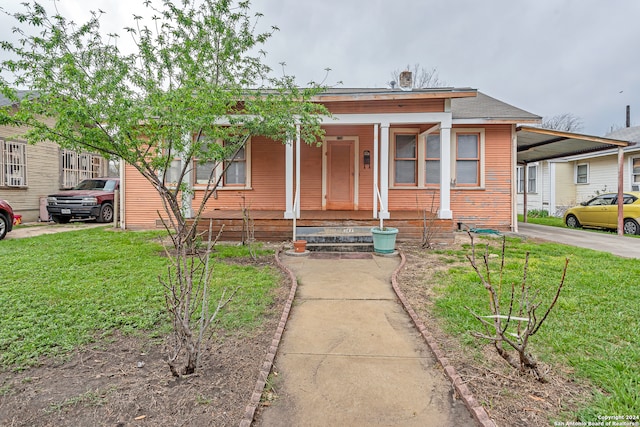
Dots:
pixel 524 193
pixel 620 191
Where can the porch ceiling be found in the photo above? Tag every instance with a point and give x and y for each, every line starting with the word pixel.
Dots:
pixel 536 144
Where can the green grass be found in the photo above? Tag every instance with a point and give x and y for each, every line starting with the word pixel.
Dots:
pixel 594 328
pixel 60 291
pixel 543 220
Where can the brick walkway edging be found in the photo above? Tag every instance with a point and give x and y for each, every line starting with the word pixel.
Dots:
pixel 478 412
pixel 265 370
pixel 476 409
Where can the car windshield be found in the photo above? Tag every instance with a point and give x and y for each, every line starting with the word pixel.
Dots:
pixel 96 184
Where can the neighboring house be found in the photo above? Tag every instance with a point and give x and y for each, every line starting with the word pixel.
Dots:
pixel 387 153
pixel 29 172
pixel 557 184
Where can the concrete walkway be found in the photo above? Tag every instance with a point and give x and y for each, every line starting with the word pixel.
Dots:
pixel 351 356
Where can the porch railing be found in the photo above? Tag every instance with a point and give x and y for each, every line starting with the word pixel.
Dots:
pixel 375 186
pixel 295 215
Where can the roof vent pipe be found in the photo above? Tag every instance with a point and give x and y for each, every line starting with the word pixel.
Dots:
pixel 406 80
pixel 628 116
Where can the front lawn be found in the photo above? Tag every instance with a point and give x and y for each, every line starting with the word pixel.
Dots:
pixel 60 291
pixel 594 328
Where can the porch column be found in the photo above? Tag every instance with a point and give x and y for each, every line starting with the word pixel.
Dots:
pixel 384 170
pixel 445 172
pixel 288 174
pixel 375 170
pixel 297 201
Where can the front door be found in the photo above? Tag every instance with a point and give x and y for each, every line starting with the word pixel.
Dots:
pixel 340 175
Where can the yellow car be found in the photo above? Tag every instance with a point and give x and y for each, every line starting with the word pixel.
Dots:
pixel 602 212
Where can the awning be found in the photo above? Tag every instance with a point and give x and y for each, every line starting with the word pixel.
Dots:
pixel 536 144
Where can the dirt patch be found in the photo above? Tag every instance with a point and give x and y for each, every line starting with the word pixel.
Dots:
pixel 510 399
pixel 124 381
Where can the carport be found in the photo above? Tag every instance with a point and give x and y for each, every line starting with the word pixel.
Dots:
pixel 537 144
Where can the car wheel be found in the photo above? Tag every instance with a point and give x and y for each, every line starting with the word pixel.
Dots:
pixel 572 222
pixel 631 226
pixel 59 219
pixel 106 213
pixel 4 225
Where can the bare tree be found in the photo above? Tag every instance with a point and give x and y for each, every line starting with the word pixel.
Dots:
pixel 422 77
pixel 516 325
pixel 566 122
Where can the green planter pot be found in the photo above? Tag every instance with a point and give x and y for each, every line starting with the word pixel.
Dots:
pixel 384 241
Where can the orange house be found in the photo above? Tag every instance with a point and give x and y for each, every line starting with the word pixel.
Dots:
pixel 391 154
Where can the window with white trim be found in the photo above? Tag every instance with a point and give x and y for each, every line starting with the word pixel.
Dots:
pixel 582 173
pixel 76 167
pixel 635 171
pixel 532 179
pixel 13 163
pixel 236 168
pixel 520 178
pixel 432 159
pixel 237 173
pixel 415 158
pixel 405 158
pixel 467 159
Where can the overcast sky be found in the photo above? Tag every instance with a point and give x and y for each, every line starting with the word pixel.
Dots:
pixel 548 57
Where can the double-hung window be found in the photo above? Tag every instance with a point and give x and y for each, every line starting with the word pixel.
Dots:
pixel 405 160
pixel 205 170
pixel 635 171
pixel 467 159
pixel 582 173
pixel 532 178
pixel 13 161
pixel 415 160
pixel 235 169
pixel 432 160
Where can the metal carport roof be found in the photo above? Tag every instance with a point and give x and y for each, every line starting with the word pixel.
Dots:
pixel 536 144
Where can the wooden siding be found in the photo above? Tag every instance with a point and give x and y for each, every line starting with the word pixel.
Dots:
pixel 142 202
pixel 310 177
pixel 491 206
pixel 387 106
pixel 488 207
pixel 43 176
pixel 565 186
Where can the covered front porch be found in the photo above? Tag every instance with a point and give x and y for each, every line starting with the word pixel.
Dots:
pixel 269 225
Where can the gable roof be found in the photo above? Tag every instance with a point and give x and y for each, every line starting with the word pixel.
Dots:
pixel 631 134
pixel 487 108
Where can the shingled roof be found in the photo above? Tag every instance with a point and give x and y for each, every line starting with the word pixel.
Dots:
pixel 485 107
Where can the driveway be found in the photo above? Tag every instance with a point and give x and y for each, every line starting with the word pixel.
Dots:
pixel 628 247
pixel 37 229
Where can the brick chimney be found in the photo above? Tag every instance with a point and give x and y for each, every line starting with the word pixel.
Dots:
pixel 406 80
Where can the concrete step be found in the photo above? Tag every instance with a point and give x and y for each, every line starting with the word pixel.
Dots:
pixel 337 239
pixel 340 247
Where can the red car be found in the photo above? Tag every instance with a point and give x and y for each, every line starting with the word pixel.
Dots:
pixel 91 199
pixel 6 218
